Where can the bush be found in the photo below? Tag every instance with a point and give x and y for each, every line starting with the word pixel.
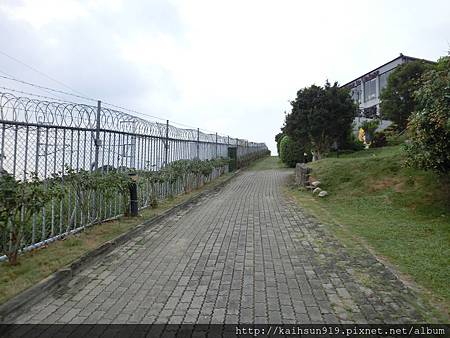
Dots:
pixel 357 145
pixel 351 143
pixel 379 140
pixel 278 138
pixel 392 130
pixel 19 202
pixel 429 127
pixel 290 152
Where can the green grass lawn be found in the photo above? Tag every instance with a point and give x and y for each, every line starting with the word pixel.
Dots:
pixel 38 264
pixel 401 213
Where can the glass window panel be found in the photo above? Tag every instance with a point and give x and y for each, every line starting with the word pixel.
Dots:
pixel 370 90
pixel 356 94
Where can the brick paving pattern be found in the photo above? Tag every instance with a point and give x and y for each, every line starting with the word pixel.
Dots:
pixel 245 254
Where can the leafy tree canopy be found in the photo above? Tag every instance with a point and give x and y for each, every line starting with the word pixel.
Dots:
pixel 397 98
pixel 429 126
pixel 320 116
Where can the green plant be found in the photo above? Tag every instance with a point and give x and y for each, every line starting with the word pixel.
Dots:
pixel 183 172
pixel 90 188
pixel 351 143
pixel 278 138
pixel 291 152
pixel 379 140
pixel 320 116
pixel 83 197
pixel 397 98
pixel 429 126
pixel 150 178
pixel 401 212
pixel 19 202
pixel 370 126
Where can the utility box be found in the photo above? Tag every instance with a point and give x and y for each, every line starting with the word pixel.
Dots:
pixel 232 155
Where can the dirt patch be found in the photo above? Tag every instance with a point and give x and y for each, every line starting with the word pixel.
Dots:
pixel 399 187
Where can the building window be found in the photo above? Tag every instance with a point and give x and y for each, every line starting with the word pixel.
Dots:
pixel 370 90
pixel 356 94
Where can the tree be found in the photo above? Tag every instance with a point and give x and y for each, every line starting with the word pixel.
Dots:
pixel 320 116
pixel 429 126
pixel 397 98
pixel 291 152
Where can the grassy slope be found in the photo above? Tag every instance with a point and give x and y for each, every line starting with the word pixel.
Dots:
pixel 266 163
pixel 37 265
pixel 402 213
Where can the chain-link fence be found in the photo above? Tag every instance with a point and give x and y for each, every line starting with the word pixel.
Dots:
pixel 46 138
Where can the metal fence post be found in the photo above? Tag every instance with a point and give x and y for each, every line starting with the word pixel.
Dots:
pixel 134 206
pixel 2 149
pixel 97 135
pixel 166 143
pixel 198 143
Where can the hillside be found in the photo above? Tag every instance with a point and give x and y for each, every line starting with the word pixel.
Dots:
pixel 401 213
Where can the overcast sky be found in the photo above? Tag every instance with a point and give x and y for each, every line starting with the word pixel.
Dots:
pixel 226 66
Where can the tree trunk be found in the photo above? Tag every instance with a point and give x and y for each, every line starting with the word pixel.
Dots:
pixel 316 155
pixel 12 257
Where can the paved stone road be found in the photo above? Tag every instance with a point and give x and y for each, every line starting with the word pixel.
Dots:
pixel 245 254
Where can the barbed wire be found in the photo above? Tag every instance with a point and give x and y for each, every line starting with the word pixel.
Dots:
pixel 206 134
pixel 62 113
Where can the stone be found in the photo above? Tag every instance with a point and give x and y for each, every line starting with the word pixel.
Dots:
pixel 302 174
pixel 323 193
pixel 317 190
pixel 315 183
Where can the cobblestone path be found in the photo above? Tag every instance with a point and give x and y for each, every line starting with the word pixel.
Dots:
pixel 245 254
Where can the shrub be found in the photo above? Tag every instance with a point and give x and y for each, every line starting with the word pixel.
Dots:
pixel 357 145
pixel 278 138
pixel 379 140
pixel 19 201
pixel 351 143
pixel 391 130
pixel 291 152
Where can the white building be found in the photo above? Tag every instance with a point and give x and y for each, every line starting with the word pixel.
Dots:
pixel 366 89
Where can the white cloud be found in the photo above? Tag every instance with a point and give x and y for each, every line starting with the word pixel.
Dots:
pixel 41 13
